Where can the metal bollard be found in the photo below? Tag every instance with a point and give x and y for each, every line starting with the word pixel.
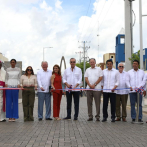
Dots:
pixel 137 113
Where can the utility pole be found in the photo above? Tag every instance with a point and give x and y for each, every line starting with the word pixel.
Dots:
pixel 141 36
pixel 141 41
pixel 128 34
pixel 85 48
pixel 79 56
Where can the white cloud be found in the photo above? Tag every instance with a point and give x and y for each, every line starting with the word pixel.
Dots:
pixel 58 4
pixel 110 23
pixel 44 5
pixel 24 33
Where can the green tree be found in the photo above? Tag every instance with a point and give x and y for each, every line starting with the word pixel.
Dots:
pixel 135 56
pixel 81 65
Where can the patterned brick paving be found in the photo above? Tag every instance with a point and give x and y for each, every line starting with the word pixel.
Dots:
pixel 72 133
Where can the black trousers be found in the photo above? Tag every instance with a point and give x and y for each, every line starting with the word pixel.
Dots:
pixel 106 97
pixel 69 102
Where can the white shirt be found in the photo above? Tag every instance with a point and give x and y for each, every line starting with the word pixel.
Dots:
pixel 28 81
pixel 135 79
pixel 110 79
pixel 2 75
pixel 13 76
pixel 44 80
pixel 144 80
pixel 123 77
pixel 73 77
pixel 93 74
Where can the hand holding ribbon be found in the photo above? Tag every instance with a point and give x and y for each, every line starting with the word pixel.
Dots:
pixel 140 90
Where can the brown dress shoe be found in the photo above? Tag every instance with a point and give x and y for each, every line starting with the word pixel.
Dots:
pixel 124 119
pixel 97 119
pixel 118 119
pixel 90 119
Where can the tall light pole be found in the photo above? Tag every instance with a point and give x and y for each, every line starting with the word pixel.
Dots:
pixel 98 48
pixel 43 51
pixel 128 34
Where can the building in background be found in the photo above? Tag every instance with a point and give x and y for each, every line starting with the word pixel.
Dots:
pixel 3 58
pixel 120 49
pixel 101 65
pixel 108 56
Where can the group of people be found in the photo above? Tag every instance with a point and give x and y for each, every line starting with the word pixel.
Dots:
pixel 113 84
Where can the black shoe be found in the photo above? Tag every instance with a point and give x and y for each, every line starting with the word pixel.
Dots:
pixel 133 120
pixel 75 118
pixel 40 119
pixel 90 119
pixel 113 120
pixel 3 120
pixel 140 120
pixel 49 119
pixel 67 118
pixel 104 119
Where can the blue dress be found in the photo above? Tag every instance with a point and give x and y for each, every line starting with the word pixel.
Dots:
pixel 12 80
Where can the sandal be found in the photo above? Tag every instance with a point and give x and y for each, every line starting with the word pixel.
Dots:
pixel 58 118
pixel 13 119
pixel 55 118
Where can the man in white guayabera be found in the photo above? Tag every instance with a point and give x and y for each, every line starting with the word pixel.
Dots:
pixel 93 77
pixel 109 83
pixel 121 95
pixel 44 81
pixel 72 78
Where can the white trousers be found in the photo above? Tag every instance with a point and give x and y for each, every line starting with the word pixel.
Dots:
pixel 2 113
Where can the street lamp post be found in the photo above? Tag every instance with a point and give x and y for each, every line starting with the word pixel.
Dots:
pixel 43 51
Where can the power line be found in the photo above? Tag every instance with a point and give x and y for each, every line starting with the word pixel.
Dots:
pixel 102 20
pixel 85 17
pixel 98 16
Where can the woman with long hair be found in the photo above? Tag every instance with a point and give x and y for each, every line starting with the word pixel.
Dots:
pixel 56 83
pixel 29 83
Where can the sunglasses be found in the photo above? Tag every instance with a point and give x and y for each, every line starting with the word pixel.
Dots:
pixel 121 66
pixel 72 62
pixel 29 69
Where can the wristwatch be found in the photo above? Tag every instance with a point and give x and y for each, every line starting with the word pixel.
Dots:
pixel 95 84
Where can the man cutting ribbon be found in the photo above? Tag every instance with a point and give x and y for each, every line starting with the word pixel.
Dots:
pixel 2 94
pixel 72 78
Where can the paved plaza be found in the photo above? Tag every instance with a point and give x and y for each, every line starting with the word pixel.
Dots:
pixel 72 133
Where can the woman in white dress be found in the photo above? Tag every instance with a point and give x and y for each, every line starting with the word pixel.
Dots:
pixel 2 94
pixel 13 75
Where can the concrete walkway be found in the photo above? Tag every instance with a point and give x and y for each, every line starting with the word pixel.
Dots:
pixel 72 133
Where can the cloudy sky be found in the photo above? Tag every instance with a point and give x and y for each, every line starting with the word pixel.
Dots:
pixel 26 26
